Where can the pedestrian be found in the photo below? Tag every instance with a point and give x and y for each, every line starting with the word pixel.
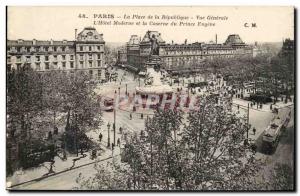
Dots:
pixel 64 155
pixel 142 133
pixel 100 137
pixel 94 154
pixel 50 135
pixel 112 146
pixel 118 142
pixel 254 130
pixel 271 107
pixel 130 116
pixel 142 116
pixel 120 130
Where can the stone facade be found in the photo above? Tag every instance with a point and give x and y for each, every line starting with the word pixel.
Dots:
pixel 86 53
pixel 122 56
pixel 183 56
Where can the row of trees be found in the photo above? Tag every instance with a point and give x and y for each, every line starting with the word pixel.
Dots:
pixel 41 102
pixel 203 151
pixel 275 73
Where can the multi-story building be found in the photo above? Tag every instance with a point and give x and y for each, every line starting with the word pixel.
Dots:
pixel 183 56
pixel 86 53
pixel 122 56
pixel 287 54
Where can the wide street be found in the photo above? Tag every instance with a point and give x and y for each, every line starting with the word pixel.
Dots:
pixel 258 118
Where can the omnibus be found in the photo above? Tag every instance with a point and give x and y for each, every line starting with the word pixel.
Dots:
pixel 107 104
pixel 273 132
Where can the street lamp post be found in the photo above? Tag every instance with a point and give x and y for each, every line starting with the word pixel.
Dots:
pixel 119 90
pixel 248 121
pixel 115 117
pixel 126 89
pixel 108 138
pixel 139 81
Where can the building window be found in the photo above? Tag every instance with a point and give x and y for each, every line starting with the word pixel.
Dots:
pixel 46 65
pixel 63 57
pixel 99 73
pixel 18 58
pixel 71 64
pixel 64 64
pixel 71 57
pixel 81 48
pixel 54 57
pixel 99 63
pixel 98 47
pixel 90 63
pixel 90 56
pixel 46 58
pixel 99 56
pixel 81 57
pixel 91 72
pixel 54 49
pixel 90 48
pixel 38 67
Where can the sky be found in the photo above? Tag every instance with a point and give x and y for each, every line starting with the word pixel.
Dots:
pixel 58 23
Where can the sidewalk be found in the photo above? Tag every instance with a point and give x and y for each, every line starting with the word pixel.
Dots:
pixel 265 107
pixel 72 161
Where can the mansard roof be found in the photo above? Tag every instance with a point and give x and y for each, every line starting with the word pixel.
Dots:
pixel 134 39
pixel 90 34
pixel 35 42
pixel 234 39
pixel 150 34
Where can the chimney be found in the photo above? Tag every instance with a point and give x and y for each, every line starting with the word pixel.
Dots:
pixel 172 42
pixel 185 41
pixel 216 39
pixel 75 34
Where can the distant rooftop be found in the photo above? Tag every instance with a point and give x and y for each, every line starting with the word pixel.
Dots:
pixel 233 39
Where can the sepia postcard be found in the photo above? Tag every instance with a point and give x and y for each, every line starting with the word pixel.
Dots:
pixel 161 98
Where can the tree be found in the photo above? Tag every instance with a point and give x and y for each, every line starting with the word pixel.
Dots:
pixel 218 159
pixel 107 177
pixel 207 152
pixel 79 104
pixel 35 99
pixel 24 103
pixel 282 177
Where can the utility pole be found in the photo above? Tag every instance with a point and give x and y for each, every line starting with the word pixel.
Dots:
pixel 75 50
pixel 139 82
pixel 108 133
pixel 115 117
pixel 248 120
